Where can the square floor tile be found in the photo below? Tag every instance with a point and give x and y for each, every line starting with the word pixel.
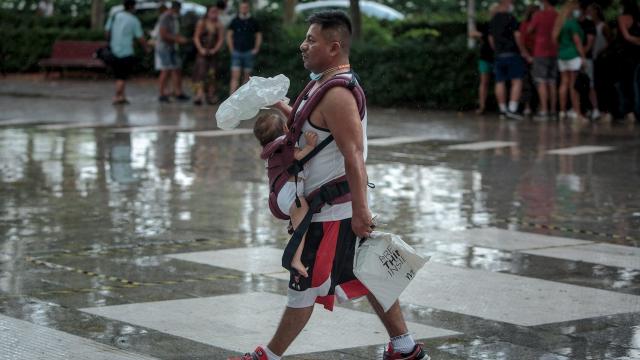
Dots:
pixel 239 322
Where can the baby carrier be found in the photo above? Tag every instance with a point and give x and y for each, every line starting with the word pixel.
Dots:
pixel 281 163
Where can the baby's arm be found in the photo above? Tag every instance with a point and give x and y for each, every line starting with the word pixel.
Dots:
pixel 311 140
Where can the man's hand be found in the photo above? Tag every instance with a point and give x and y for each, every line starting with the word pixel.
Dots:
pixel 181 39
pixel 362 223
pixel 255 51
pixel 311 138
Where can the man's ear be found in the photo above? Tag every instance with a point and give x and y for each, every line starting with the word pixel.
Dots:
pixel 336 48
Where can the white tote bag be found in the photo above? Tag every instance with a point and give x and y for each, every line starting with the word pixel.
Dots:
pixel 386 265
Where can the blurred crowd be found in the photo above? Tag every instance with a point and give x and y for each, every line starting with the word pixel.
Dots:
pixel 240 31
pixel 567 62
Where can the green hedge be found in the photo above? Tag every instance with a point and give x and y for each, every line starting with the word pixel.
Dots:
pixel 418 66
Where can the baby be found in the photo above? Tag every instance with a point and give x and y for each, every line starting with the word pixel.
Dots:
pixel 271 128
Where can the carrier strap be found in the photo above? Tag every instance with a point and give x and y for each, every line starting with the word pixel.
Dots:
pixel 327 193
pixel 297 165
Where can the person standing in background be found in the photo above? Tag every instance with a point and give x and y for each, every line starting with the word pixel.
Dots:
pixel 589 30
pixel 504 38
pixel 244 40
pixel 485 62
pixel 528 42
pixel 123 28
pixel 545 58
pixel 167 57
pixel 568 35
pixel 629 36
pixel 208 39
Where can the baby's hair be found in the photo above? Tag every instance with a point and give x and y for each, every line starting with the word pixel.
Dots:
pixel 268 128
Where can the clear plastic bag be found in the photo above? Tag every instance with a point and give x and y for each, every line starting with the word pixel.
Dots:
pixel 247 101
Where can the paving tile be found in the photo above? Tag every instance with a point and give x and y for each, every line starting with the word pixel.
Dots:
pixel 397 140
pixel 604 254
pixel 238 322
pixel 580 150
pixel 482 145
pixel 500 239
pixel 20 339
pixel 216 133
pixel 510 298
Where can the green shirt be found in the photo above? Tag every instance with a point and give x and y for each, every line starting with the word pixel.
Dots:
pixel 124 28
pixel 566 47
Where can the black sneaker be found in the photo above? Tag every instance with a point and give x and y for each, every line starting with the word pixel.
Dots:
pixel 163 99
pixel 182 97
pixel 513 115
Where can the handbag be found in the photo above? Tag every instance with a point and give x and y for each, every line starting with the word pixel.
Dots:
pixel 104 53
pixel 385 265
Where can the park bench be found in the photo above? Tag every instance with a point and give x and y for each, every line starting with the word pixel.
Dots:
pixel 73 54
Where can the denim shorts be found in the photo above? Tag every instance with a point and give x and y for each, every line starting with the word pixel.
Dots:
pixel 167 59
pixel 508 67
pixel 242 60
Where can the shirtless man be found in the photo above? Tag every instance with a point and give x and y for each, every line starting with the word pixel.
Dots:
pixel 331 238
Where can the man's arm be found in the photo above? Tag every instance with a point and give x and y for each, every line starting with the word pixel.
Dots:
pixel 523 49
pixel 492 43
pixel 339 112
pixel 230 40
pixel 256 48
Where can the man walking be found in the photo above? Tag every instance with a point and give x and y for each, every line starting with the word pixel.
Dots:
pixel 244 40
pixel 122 29
pixel 331 238
pixel 504 38
pixel 167 57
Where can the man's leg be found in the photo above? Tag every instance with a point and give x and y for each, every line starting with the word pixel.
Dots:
pixel 246 74
pixel 176 75
pixel 292 322
pixel 553 97
pixel 119 90
pixel 162 80
pixel 501 95
pixel 516 92
pixel 393 320
pixel 235 79
pixel 544 97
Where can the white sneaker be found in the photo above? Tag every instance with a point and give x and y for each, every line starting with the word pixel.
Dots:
pixel 595 115
pixel 572 114
pixel 562 115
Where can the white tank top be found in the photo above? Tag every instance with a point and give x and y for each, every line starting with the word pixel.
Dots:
pixel 325 166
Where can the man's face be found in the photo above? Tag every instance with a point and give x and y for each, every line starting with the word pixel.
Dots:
pixel 316 49
pixel 244 8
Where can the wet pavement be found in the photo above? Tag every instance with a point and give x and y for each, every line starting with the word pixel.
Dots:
pixel 143 232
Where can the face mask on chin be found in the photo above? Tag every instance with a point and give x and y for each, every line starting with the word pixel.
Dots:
pixel 315 76
pixel 577 13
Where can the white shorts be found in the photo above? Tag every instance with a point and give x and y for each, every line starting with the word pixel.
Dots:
pixel 570 65
pixel 287 195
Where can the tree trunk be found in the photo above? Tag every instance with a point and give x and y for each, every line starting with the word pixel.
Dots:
pixel 471 22
pixel 97 14
pixel 356 19
pixel 289 11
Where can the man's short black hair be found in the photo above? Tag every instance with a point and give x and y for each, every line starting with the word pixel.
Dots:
pixel 221 4
pixel 176 5
pixel 331 19
pixel 129 4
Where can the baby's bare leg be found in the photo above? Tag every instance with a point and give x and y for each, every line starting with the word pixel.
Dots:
pixel 297 215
